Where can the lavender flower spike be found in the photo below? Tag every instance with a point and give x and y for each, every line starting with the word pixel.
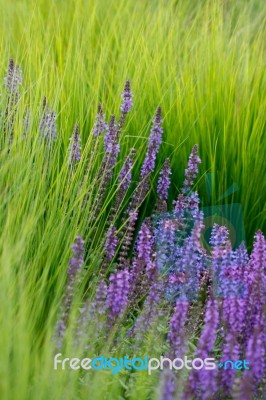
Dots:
pixel 176 336
pixel 77 260
pixel 111 243
pixel 125 176
pixel 164 181
pixel 48 123
pixel 75 147
pixel 117 295
pixel 74 270
pixel 13 79
pixel 100 124
pixel 192 170
pixel 127 97
pixel 153 146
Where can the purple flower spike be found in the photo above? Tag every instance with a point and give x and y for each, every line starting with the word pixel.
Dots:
pixel 164 181
pixel 13 79
pixel 117 295
pixel 168 386
pixel 74 270
pixel 111 243
pixel 125 176
pixel 48 123
pixel 75 147
pixel 100 125
pixel 203 382
pixel 155 141
pixel 255 355
pixel 111 145
pixel 127 97
pixel 176 336
pixel 77 260
pixel 192 170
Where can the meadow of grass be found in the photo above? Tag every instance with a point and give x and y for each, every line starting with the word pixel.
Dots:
pixel 204 63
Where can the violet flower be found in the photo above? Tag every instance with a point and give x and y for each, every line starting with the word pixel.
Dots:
pixel 48 123
pixel 203 382
pixel 13 80
pixel 192 170
pixel 144 269
pixel 74 269
pixel 117 296
pixel 99 125
pixel 176 335
pixel 168 385
pixel 154 143
pixel 75 147
pixel 111 243
pixel 164 181
pixel 125 176
pixel 143 186
pixel 127 97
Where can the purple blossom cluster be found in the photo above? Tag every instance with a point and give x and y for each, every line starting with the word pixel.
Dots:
pixel 127 99
pixel 117 295
pixel 13 79
pixel 75 147
pixel 99 125
pixel 48 128
pixel 154 143
pixel 164 181
pixel 154 270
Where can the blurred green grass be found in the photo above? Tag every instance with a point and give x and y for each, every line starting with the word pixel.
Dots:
pixel 203 61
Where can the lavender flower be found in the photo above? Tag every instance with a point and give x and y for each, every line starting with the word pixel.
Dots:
pixel 231 351
pixel 124 181
pixel 111 145
pixel 100 125
pixel 143 187
pixel 13 80
pixel 176 335
pixel 255 354
pixel 144 268
pixel 117 296
pixel 221 256
pixel 153 145
pixel 48 123
pixel 73 272
pixel 127 97
pixel 203 382
pixel 99 304
pixel 111 243
pixel 256 278
pixel 77 260
pixel 125 176
pixel 164 181
pixel 26 123
pixel 192 170
pixel 163 186
pixel 168 385
pixel 75 147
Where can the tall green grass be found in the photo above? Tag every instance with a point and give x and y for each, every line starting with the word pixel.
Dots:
pixel 203 61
